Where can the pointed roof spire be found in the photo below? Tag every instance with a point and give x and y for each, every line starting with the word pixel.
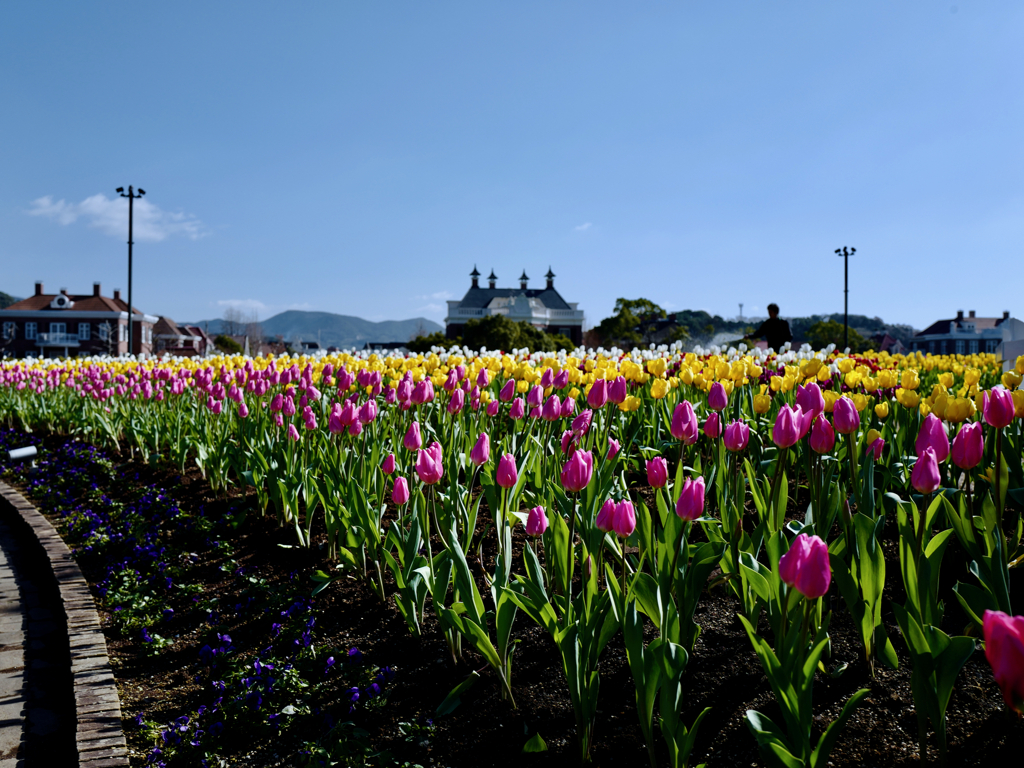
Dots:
pixel 523 276
pixel 550 274
pixel 474 273
pixel 492 276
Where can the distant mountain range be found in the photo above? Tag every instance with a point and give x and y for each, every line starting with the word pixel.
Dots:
pixel 330 330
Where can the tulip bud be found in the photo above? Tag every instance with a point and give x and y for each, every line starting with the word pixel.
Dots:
pixel 713 425
pixel 355 428
pixel 606 517
pixel 452 381
pixel 536 522
pixel 507 474
pixel 932 435
pixel 483 378
pixel 690 504
pixel 368 411
pixel 552 409
pixel 845 416
pixel 598 394
pixel 875 448
pixel 561 380
pixel 568 407
pixel 737 435
pixel 243 409
pixel 581 424
pixel 412 440
pixel 624 521
pixel 536 396
pixel 823 438
pixel 617 390
pixel 968 446
pixel 492 408
pixel 718 398
pixel 787 428
pixel 805 566
pixel 657 472
pixel 400 491
pixel 293 433
pixel 481 452
pixel 613 448
pixel 684 423
pixel 547 378
pixel 576 473
pixel 810 399
pixel 388 465
pixel 508 391
pixel 429 466
pixel 518 409
pixel 925 476
pixel 998 408
pixel 1004 649
pixel 457 401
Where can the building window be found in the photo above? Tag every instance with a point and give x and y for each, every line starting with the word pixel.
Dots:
pixel 991 344
pixel 931 347
pixel 122 332
pixel 30 330
pixel 58 329
pixel 959 346
pixel 103 331
pixel 973 346
pixel 942 347
pixel 84 332
pixel 9 331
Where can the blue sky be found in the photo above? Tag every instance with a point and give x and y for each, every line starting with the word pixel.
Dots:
pixel 360 158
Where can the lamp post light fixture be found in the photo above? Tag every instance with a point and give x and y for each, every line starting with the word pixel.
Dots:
pixel 132 195
pixel 846 253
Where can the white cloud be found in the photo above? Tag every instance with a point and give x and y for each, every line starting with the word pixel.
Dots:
pixel 110 216
pixel 432 308
pixel 256 304
pixel 438 296
pixel 583 227
pixel 304 306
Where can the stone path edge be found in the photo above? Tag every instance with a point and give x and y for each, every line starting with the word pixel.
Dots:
pixel 99 737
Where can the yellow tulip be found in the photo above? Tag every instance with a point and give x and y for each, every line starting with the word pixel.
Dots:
pixel 659 389
pixel 910 379
pixel 1019 368
pixel 762 403
pixel 860 401
pixel 1011 379
pixel 971 376
pixel 873 434
pixel 1018 403
pixel 882 410
pixel 830 399
pixel 946 380
pixel 908 398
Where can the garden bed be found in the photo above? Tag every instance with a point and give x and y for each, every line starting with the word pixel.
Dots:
pixel 225 571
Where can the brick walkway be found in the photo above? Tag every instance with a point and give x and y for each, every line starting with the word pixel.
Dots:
pixel 37 718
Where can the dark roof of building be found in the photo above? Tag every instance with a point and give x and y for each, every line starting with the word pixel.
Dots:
pixel 82 303
pixel 167 327
pixel 478 298
pixel 946 326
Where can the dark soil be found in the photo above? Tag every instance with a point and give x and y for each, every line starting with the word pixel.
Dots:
pixel 724 672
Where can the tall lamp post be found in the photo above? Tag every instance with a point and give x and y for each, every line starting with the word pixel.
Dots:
pixel 846 253
pixel 132 196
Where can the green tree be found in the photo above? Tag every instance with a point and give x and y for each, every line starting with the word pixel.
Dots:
pixel 421 344
pixel 622 328
pixel 228 345
pixel 826 332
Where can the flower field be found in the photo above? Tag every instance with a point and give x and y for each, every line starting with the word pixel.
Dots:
pixel 606 496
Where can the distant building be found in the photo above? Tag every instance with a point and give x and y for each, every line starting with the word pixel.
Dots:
pixel 970 335
pixel 169 338
pixel 883 342
pixel 391 346
pixel 545 308
pixel 68 325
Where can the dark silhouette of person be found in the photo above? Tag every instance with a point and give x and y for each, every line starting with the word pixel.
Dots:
pixel 774 330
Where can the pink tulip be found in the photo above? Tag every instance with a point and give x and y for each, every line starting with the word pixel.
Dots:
pixel 737 435
pixel 998 407
pixel 492 408
pixel 788 426
pixel 718 398
pixel 355 428
pixel 400 491
pixel 412 440
pixel 713 425
pixel 968 446
pixel 288 409
pixel 518 409
pixel 598 394
pixel 456 402
pixel 1004 649
pixel 606 517
pixel 657 472
pixel 561 380
pixel 368 411
pixel 507 473
pixel 388 465
pixel 925 476
pixel 613 448
pixel 568 443
pixel 481 452
pixel 243 409
pixel 429 465
pixel 552 409
pixel 617 390
pixel 690 504
pixel 536 522
pixel 805 566
pixel 391 396
pixel 932 435
pixel 536 396
pixel 404 390
pixel 577 471
pixel 810 399
pixel 685 426
pixel 508 391
pixel 452 381
pixel 875 449
pixel 547 378
pixel 823 437
pixel 348 414
pixel 483 378
pixel 624 521
pixel 293 433
pixel 277 403
pixel 581 424
pixel 568 407
pixel 423 392
pixel 845 416
pixel 279 419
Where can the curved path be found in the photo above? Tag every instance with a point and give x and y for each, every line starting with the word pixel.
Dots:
pixel 58 699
